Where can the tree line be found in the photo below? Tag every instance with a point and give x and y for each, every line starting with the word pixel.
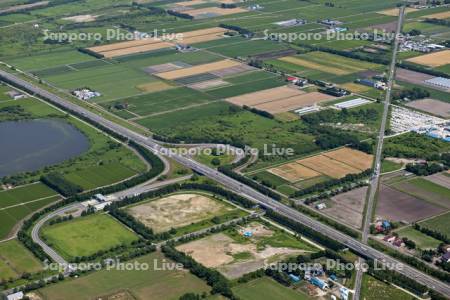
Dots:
pixel 247 181
pixel 219 284
pixel 323 186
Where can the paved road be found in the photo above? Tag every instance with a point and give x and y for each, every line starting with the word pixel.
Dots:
pixel 379 152
pixel 37 239
pixel 236 186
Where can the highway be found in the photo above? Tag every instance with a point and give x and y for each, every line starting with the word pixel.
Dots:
pixel 375 181
pixel 234 185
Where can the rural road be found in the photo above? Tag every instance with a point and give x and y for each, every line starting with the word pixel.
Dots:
pixel 375 181
pixel 234 185
pixel 37 239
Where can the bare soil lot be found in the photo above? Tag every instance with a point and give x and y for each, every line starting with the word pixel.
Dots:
pixel 397 206
pixel 264 96
pixel 209 84
pixel 234 259
pixel 233 70
pixel 389 27
pixel 348 207
pixel 412 76
pixel 208 12
pixel 23 6
pixel 435 59
pixel 293 172
pixel 81 18
pixel 176 211
pixel 432 106
pixel 328 166
pixel 295 102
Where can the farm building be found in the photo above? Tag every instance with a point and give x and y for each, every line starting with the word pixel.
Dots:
pixel 308 109
pixel 440 82
pixel 319 283
pixel 321 206
pixel 15 296
pixel 352 103
pixel 15 95
pixel 376 84
pixel 343 293
pixel 291 22
pixel 294 278
pixel 446 257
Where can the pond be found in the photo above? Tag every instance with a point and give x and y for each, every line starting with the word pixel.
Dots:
pixel 34 144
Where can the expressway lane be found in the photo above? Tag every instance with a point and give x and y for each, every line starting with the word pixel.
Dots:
pixel 233 185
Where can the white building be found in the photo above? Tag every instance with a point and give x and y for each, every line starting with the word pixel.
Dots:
pixel 15 296
pixel 352 103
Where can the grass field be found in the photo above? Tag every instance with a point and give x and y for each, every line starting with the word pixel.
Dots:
pixel 373 289
pixel 87 235
pixel 150 284
pixel 440 223
pixel 15 260
pixel 422 241
pixel 265 287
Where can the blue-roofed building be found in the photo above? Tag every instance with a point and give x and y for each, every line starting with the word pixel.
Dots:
pixel 333 277
pixel 294 278
pixel 319 283
pixel 386 224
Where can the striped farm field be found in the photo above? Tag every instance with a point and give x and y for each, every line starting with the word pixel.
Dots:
pixel 327 166
pixel 156 86
pixel 199 69
pixel 293 172
pixel 441 15
pixel 351 157
pixel 435 59
pixel 329 63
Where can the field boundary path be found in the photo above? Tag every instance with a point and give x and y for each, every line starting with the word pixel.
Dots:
pixel 233 185
pixel 373 188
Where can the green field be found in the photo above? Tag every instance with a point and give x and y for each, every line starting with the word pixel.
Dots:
pixel 87 235
pixel 440 223
pixel 207 159
pixel 390 166
pixel 373 289
pixel 22 201
pixel 24 194
pixel 101 175
pixel 422 240
pixel 150 284
pixel 221 122
pixel 426 190
pixel 49 59
pixel 15 260
pixel 267 288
